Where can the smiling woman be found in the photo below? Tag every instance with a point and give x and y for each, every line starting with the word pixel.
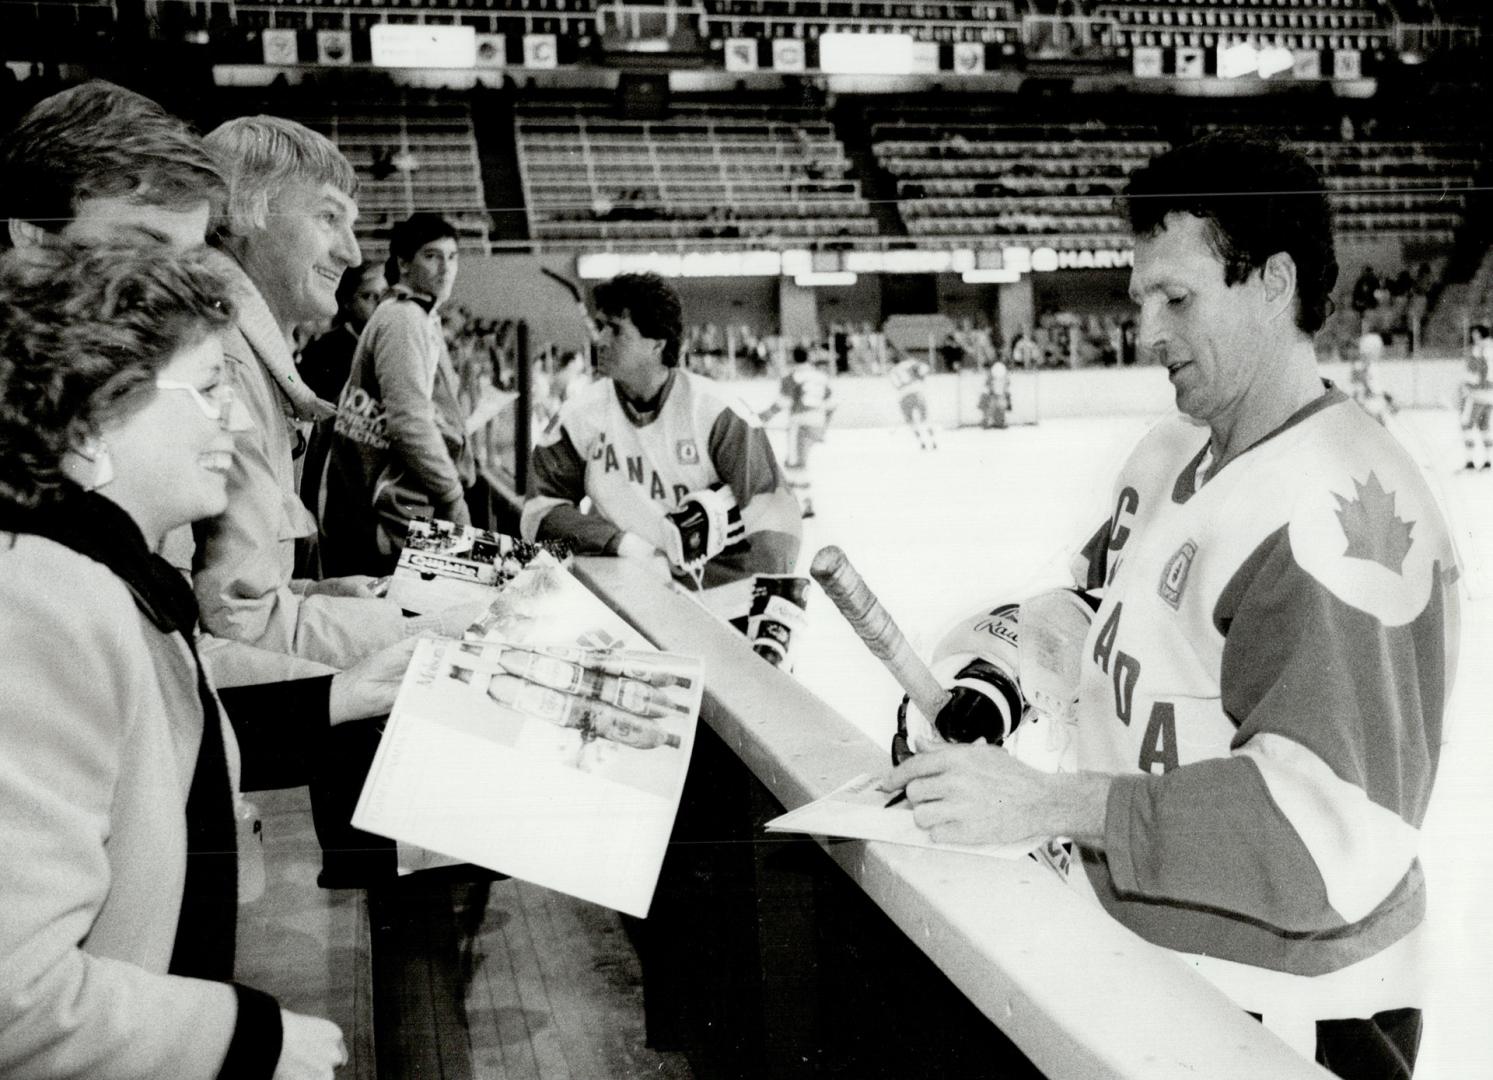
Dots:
pixel 86 335
pixel 118 773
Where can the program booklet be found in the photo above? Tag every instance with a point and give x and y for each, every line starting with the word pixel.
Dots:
pixel 444 564
pixel 551 745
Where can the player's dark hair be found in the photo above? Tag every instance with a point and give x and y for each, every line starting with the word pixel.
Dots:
pixel 99 140
pixel 1257 197
pixel 417 230
pixel 650 303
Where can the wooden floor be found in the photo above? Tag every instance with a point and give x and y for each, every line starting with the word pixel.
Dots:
pixel 552 986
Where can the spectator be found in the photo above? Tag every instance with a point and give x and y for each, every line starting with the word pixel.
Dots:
pixel 1365 293
pixel 1025 352
pixel 325 362
pixel 1418 303
pixel 400 449
pixel 118 779
pixel 287 236
pixel 100 163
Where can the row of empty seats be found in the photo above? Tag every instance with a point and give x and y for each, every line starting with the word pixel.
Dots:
pixel 1000 179
pixel 1007 180
pixel 570 20
pixel 1294 24
pixel 735 175
pixel 1273 17
pixel 938 10
pixel 1397 187
pixel 409 155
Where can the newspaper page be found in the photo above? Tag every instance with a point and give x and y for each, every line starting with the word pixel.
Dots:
pixel 551 744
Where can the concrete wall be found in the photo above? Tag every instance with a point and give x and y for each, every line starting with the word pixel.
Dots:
pixel 514 287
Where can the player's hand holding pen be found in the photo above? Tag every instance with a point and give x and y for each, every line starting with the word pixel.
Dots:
pixel 979 794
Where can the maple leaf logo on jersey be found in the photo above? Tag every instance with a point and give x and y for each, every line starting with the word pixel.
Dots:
pixel 1373 530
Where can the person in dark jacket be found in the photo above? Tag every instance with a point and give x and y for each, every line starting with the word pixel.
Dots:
pixel 399 449
pixel 119 770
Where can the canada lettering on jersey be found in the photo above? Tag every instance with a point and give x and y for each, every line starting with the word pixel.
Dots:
pixel 1119 531
pixel 1158 750
pixel 639 473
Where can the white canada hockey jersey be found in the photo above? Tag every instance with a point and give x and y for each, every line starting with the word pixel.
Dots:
pixel 907 376
pixel 1267 673
pixel 806 391
pixel 636 472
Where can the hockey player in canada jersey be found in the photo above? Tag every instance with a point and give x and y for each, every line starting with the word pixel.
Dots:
pixel 1257 700
pixel 907 376
pixel 806 393
pixel 1475 404
pixel 677 473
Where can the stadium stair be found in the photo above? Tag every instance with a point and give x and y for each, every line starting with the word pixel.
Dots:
pixel 497 152
pixel 877 185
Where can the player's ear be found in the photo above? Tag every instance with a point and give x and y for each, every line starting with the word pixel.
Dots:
pixel 1278 276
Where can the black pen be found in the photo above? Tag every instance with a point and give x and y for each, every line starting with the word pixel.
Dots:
pixel 895 799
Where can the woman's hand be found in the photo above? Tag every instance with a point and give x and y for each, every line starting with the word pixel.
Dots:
pixel 360 586
pixel 368 687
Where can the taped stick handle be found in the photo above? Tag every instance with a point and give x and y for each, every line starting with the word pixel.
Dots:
pixel 844 585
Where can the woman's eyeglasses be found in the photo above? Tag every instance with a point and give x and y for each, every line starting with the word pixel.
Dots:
pixel 215 404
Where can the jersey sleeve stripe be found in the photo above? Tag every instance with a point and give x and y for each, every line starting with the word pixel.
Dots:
pixel 1360 849
pixel 1211 836
pixel 557 477
pixel 1300 663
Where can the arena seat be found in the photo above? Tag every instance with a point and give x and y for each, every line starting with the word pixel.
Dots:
pixel 738 174
pixel 1308 24
pixel 990 21
pixel 978 178
pixel 411 153
pixel 1397 187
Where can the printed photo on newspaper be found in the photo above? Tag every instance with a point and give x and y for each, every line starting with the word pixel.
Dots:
pixel 551 745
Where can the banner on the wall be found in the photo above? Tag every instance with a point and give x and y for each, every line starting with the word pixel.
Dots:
pixel 741 54
pixel 788 54
pixel 334 47
pixel 1146 61
pixel 279 46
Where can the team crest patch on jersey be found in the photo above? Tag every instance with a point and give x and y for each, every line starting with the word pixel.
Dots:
pixel 686 451
pixel 1371 526
pixel 1174 577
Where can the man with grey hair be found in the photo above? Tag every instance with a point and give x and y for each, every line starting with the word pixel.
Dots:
pixel 286 229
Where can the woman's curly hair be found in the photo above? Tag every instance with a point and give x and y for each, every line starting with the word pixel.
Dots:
pixel 83 331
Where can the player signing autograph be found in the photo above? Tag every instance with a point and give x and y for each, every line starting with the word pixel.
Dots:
pixel 1262 688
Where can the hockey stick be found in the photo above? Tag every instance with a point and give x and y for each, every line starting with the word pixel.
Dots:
pixel 863 611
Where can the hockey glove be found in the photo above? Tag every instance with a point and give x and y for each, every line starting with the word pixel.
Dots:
pixel 707 522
